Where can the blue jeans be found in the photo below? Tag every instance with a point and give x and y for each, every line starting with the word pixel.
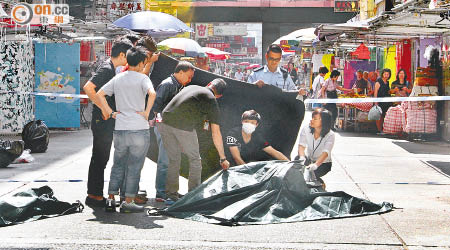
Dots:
pixel 130 149
pixel 161 168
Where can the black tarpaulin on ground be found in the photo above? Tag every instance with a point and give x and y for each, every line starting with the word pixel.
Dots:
pixel 34 204
pixel 281 113
pixel 267 192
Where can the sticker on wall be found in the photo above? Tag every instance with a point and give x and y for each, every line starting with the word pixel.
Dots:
pixel 57 72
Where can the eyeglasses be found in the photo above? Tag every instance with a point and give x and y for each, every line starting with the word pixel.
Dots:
pixel 274 59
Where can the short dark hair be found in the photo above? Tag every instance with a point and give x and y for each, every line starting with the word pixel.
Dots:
pixel 219 85
pixel 327 120
pixel 386 70
pixel 251 115
pixel 136 55
pixel 323 70
pixel 359 71
pixel 147 42
pixel 335 73
pixel 132 37
pixel 120 46
pixel 184 66
pixel 275 48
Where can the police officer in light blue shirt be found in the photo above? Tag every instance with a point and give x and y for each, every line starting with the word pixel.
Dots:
pixel 272 74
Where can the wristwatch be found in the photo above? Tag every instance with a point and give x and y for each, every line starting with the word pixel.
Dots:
pixel 222 160
pixel 111 115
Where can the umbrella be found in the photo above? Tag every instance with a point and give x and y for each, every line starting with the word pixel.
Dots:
pixel 216 54
pixel 156 24
pixel 253 66
pixel 184 46
pixel 301 35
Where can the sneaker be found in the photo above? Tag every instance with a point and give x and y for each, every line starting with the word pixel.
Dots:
pixel 91 202
pixel 110 206
pixel 169 201
pixel 172 198
pixel 130 207
pixel 139 199
pixel 142 192
pixel 159 199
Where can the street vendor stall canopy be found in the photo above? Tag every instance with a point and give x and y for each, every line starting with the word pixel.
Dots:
pixel 409 20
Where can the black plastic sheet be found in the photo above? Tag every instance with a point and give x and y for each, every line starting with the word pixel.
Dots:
pixel 267 192
pixel 34 204
pixel 9 151
pixel 281 113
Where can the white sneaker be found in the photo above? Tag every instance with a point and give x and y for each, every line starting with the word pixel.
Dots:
pixel 130 207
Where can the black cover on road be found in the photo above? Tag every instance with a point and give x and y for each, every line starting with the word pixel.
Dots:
pixel 34 204
pixel 281 113
pixel 267 192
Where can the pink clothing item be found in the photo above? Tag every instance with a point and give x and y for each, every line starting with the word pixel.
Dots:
pixel 330 85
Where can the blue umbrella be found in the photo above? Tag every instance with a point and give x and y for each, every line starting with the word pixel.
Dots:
pixel 156 24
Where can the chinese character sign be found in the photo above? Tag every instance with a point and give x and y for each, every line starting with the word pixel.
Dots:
pixel 201 30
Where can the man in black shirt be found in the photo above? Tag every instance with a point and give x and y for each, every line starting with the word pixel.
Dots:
pixel 244 145
pixel 168 88
pixel 193 105
pixel 102 130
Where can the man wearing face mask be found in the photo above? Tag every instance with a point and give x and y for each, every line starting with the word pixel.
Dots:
pixel 246 146
pixel 192 106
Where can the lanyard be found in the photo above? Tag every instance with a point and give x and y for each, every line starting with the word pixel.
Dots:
pixel 314 149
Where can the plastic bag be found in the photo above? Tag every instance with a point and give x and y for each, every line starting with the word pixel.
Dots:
pixel 25 157
pixel 375 113
pixel 9 151
pixel 36 136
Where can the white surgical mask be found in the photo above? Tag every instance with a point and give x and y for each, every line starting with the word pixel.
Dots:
pixel 248 128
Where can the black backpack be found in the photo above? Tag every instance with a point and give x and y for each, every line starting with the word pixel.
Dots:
pixel 9 151
pixel 36 136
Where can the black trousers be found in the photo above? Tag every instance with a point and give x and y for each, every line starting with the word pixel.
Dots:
pixel 332 106
pixel 322 170
pixel 102 132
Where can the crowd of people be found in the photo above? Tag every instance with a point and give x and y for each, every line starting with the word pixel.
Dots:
pixel 124 98
pixel 370 84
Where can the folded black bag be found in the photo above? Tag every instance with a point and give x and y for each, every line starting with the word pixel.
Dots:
pixel 34 204
pixel 9 151
pixel 35 134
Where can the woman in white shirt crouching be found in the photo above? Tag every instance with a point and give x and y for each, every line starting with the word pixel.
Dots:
pixel 316 143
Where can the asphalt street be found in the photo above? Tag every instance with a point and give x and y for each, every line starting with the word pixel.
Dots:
pixel 364 165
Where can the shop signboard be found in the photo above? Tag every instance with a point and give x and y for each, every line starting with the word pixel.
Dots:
pixel 252 50
pixel 346 6
pixel 201 30
pixel 119 8
pixel 230 30
pixel 57 67
pixel 219 46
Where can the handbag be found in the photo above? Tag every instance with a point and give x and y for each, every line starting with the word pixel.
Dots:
pixel 375 113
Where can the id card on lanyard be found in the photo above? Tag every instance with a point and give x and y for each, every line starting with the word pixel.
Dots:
pixel 314 149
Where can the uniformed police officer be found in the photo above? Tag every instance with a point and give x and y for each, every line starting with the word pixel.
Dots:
pixel 272 74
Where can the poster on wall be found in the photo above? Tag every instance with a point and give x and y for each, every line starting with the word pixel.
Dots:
pixel 58 72
pixel 352 66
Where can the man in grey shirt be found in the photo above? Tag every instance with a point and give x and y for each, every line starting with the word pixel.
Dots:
pixel 131 132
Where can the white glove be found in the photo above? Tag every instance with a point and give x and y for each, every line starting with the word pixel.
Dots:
pixel 312 167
